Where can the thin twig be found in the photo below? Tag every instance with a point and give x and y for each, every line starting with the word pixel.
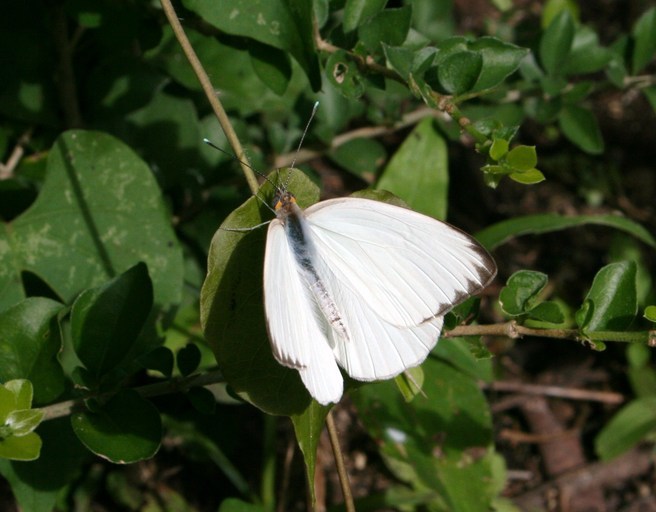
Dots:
pixel 65 408
pixel 607 397
pixel 210 92
pixel 339 462
pixel 7 170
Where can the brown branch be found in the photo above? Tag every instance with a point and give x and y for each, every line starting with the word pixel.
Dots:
pixel 607 397
pixel 339 462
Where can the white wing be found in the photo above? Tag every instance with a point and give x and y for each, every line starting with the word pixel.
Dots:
pixel 296 328
pixel 404 266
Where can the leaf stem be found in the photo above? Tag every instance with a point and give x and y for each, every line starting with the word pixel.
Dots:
pixel 210 92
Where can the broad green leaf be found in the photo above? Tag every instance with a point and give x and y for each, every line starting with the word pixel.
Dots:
pixel 580 126
pixel 459 72
pixel 283 24
pixel 389 26
pixel 498 149
pixel 556 42
pixel 650 313
pixel 627 428
pixel 106 321
pixel 644 36
pixel 521 291
pixel 501 232
pixel 99 212
pixel 362 157
pixel 126 429
pixel 549 312
pixel 232 311
pixel 613 298
pixel 418 171
pixel 358 11
pixel 29 345
pixel 271 65
pixel 308 425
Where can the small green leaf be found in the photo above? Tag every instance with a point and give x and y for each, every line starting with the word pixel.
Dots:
pixel 627 428
pixel 27 447
pixel 530 177
pixel 126 429
pixel 23 392
pixel 29 345
pixel 361 156
pixel 498 149
pixel 160 359
pixel 106 321
pixel 410 382
pixel 613 298
pixel 499 60
pixel 188 359
pixel 459 72
pixel 521 291
pixel 389 26
pixel 644 36
pixel 24 421
pixel 202 400
pixel 580 126
pixel 418 171
pixel 522 158
pixel 650 313
pixel 556 42
pixel 358 11
pixel 548 312
pixel 587 55
pixel 237 505
pixel 343 73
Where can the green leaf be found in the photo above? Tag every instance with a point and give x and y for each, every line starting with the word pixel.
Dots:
pixel 357 11
pixel 459 72
pixel 389 26
pixel 627 428
pixel 362 157
pixel 232 311
pixel 552 8
pixel 106 321
pixel 202 399
pixel 501 232
pixel 159 359
pixel 644 36
pixel 126 429
pixel 27 447
pixel 418 171
pixel 29 346
pixel 556 43
pixel 237 505
pixel 410 382
pixel 521 291
pixel 549 312
pixel 308 425
pixel 580 126
pixel 530 177
pixel 283 24
pixel 499 149
pixel 344 74
pixel 613 298
pixel 499 60
pixel 271 65
pixel 650 94
pixel 24 421
pixel 188 359
pixel 81 231
pixel 650 313
pixel 640 372
pixel 522 158
pixel 586 55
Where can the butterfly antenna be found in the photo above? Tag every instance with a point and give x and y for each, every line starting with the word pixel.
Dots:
pixel 300 142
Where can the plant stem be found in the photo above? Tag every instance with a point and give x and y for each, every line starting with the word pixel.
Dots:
pixel 210 92
pixel 339 462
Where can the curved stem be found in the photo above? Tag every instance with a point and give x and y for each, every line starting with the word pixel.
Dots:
pixel 210 92
pixel 339 462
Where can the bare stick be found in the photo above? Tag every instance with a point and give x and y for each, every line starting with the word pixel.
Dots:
pixel 339 462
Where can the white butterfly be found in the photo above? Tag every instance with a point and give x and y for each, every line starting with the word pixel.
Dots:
pixel 362 285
